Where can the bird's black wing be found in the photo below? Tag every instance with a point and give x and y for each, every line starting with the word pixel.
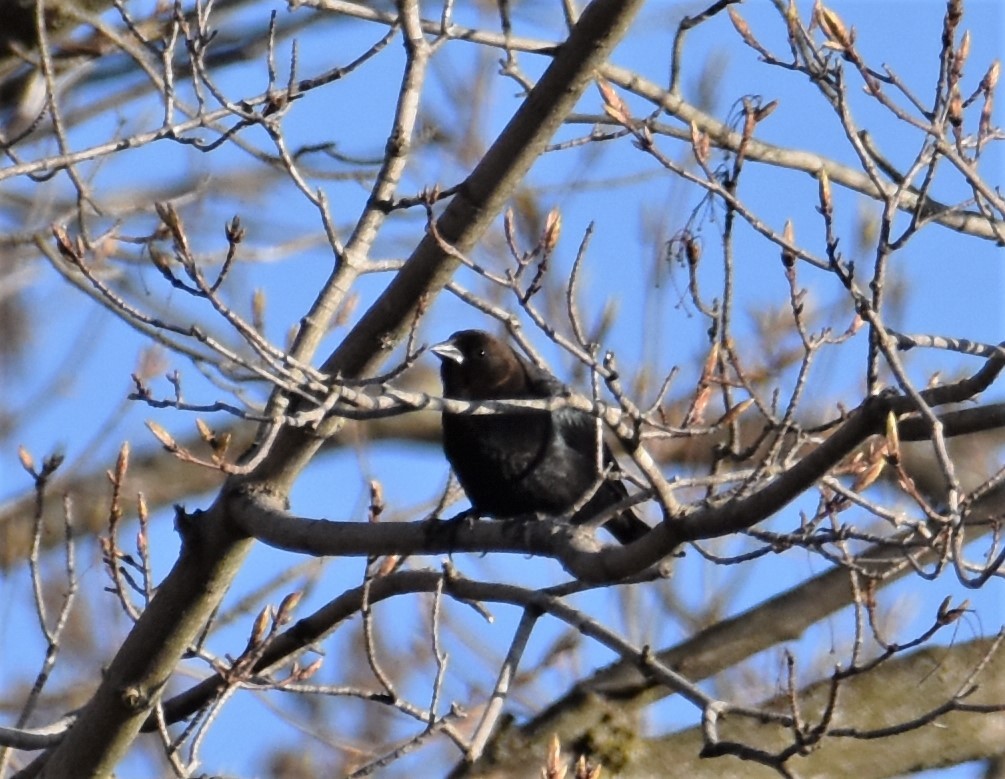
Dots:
pixel 580 430
pixel 540 383
pixel 581 433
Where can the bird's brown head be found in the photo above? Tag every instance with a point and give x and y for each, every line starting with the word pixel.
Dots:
pixel 478 366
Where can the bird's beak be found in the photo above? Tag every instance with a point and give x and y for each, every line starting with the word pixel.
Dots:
pixel 447 351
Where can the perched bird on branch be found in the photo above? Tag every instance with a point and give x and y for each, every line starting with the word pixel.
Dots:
pixel 522 463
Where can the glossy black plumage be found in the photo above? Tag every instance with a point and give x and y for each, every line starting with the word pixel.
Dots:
pixel 522 463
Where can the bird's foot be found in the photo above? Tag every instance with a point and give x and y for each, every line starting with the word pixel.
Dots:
pixel 451 526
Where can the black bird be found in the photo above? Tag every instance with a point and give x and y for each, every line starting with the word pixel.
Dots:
pixel 523 463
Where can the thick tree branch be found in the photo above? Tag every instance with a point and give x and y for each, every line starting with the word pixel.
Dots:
pixel 902 690
pixel 778 620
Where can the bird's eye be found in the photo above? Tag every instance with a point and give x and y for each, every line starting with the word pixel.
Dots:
pixel 481 352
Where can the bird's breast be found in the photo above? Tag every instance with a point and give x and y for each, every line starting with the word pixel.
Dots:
pixel 514 464
pixel 509 444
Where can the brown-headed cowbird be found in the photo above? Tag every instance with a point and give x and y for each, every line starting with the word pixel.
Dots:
pixel 524 462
